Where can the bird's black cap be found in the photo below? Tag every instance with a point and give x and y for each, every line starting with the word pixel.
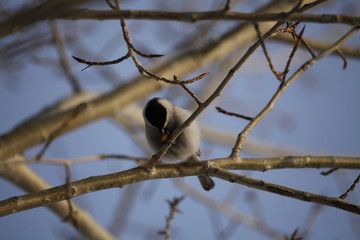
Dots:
pixel 155 113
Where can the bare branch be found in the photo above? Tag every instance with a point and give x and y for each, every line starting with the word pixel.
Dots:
pixel 191 93
pixel 60 129
pixel 283 190
pixel 221 110
pixel 29 181
pixel 296 45
pixel 351 188
pixel 277 74
pixel 227 5
pixel 309 221
pixel 131 176
pixel 63 57
pixel 72 213
pixel 19 21
pixel 329 171
pixel 343 57
pixel 169 220
pixel 294 236
pixel 91 63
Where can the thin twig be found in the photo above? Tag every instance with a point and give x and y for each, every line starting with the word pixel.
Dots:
pixel 309 221
pixel 325 173
pixel 343 57
pixel 58 131
pixel 191 93
pixel 306 45
pixel 60 44
pixel 145 55
pixel 296 45
pixel 277 74
pixel 351 188
pixel 169 220
pixel 110 4
pixel 294 235
pixel 188 90
pixel 72 214
pixel 227 5
pixel 91 63
pixel 221 110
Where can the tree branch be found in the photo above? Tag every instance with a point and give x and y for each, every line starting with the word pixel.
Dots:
pixel 19 21
pixel 138 174
pixel 284 191
pixel 173 204
pixel 28 180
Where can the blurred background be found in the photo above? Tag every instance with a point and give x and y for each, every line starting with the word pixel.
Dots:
pixel 318 115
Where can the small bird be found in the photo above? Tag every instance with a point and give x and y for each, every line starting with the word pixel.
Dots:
pixel 161 119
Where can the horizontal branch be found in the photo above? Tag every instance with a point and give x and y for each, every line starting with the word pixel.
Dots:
pixel 138 174
pixel 19 21
pixel 75 14
pixel 23 177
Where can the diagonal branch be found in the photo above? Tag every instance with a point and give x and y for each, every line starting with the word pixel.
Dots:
pixel 283 190
pixel 60 44
pixel 351 188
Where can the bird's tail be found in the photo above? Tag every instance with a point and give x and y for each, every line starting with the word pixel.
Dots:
pixel 206 182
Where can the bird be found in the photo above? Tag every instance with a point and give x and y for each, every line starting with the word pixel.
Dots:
pixel 161 118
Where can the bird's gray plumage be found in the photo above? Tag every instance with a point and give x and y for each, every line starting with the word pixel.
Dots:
pixel 161 119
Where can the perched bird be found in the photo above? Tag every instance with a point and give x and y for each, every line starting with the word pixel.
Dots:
pixel 161 119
